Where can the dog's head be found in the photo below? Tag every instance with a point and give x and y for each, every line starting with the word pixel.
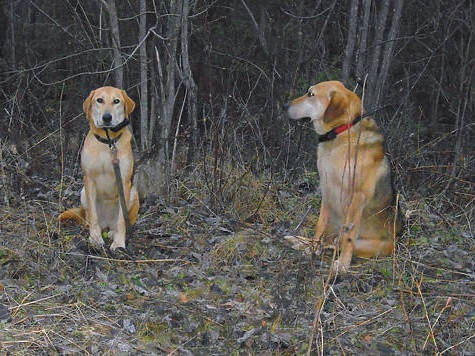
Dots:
pixel 107 107
pixel 327 104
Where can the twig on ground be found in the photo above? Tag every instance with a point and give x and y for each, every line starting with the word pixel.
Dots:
pixel 457 344
pixel 186 342
pixel 364 322
pixel 318 310
pixel 128 261
pixel 448 304
pixel 33 302
pixel 303 219
pixel 431 331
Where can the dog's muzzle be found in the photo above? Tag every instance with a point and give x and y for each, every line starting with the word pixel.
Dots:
pixel 106 118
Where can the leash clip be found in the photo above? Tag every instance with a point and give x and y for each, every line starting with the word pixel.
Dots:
pixel 113 147
pixel 110 142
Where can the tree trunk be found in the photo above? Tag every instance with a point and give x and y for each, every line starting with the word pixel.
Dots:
pixel 154 173
pixel 115 34
pixel 153 112
pixel 12 35
pixel 170 85
pixel 188 80
pixel 350 41
pixel 362 51
pixel 143 78
pixel 377 43
pixel 296 66
pixel 388 53
pixel 259 29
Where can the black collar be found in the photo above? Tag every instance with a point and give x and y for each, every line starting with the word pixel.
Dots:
pixel 107 141
pixel 120 126
pixel 112 141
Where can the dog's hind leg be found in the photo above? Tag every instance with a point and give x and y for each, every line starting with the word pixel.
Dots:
pixel 76 214
pixel 367 248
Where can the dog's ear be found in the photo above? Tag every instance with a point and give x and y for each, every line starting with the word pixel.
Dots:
pixel 86 105
pixel 337 106
pixel 129 104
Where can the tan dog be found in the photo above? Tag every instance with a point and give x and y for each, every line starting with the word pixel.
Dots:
pixel 106 108
pixel 358 203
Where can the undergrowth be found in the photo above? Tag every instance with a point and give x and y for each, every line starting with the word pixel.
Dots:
pixel 209 271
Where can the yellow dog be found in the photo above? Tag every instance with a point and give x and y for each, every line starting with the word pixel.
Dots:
pixel 358 202
pixel 107 110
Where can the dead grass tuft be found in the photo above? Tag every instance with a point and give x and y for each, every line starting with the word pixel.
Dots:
pixel 244 247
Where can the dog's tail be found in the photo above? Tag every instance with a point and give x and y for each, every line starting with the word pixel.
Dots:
pixel 76 214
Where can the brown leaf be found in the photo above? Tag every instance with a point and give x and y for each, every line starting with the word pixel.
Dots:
pixel 367 338
pixel 182 298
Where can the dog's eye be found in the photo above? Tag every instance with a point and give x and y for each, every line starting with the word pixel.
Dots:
pixel 100 100
pixel 310 94
pixel 116 101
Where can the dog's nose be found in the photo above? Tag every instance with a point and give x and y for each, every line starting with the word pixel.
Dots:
pixel 107 118
pixel 286 106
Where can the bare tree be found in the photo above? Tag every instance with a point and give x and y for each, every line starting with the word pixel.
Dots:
pixel 168 83
pixel 115 34
pixel 387 57
pixel 350 41
pixel 362 49
pixel 188 80
pixel 376 65
pixel 258 27
pixel 377 44
pixel 153 174
pixel 12 32
pixel 144 133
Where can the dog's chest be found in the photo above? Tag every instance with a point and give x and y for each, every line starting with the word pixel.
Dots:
pixel 97 166
pixel 339 172
pixel 336 167
pixel 97 163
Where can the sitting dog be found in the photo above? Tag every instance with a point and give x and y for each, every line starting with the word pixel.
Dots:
pixel 358 203
pixel 107 110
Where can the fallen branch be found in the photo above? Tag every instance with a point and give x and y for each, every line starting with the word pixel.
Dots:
pixel 33 302
pixel 431 331
pixel 128 261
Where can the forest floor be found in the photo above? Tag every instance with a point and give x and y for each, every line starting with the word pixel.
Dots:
pixel 198 282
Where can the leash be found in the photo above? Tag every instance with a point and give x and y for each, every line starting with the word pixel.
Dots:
pixel 118 176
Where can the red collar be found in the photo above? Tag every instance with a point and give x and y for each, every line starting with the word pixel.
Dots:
pixel 330 135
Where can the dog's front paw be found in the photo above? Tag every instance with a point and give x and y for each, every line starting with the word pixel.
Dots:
pixel 95 237
pixel 340 267
pixel 115 245
pixel 317 247
pixel 118 240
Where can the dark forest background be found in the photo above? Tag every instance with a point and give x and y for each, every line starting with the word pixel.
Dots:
pixel 210 77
